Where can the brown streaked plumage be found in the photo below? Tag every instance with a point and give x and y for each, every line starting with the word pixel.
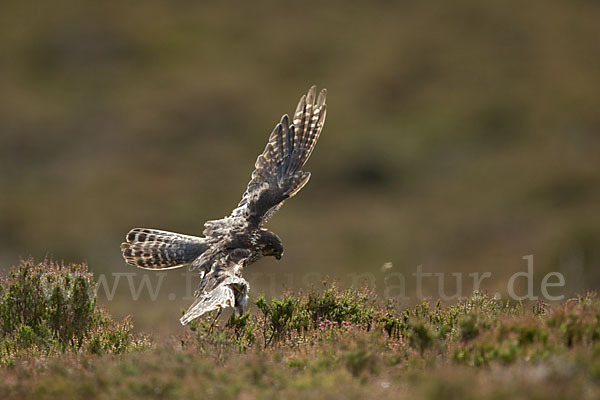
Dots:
pixel 231 243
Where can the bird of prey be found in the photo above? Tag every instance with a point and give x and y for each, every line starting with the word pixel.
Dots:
pixel 231 243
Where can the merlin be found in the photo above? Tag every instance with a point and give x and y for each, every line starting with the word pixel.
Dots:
pixel 236 241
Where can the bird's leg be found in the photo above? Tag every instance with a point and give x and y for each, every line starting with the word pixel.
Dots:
pixel 215 320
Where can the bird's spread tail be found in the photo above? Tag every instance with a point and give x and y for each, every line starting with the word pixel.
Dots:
pixel 154 249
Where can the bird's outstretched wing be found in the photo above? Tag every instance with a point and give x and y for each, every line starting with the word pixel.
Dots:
pixel 278 174
pixel 222 284
pixel 277 177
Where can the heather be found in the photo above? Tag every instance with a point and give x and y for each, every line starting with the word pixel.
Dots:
pixel 50 308
pixel 322 342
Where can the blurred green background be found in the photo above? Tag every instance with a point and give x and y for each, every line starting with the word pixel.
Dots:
pixel 460 135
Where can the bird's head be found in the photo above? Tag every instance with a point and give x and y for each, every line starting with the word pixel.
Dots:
pixel 271 244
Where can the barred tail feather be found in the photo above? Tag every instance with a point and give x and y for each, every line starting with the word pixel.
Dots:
pixel 154 249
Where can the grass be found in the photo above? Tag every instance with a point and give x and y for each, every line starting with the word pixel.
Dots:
pixel 320 343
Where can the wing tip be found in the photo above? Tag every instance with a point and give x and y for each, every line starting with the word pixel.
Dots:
pixel 313 90
pixel 322 98
pixel 285 120
pixel 310 96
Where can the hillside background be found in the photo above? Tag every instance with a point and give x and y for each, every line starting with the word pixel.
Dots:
pixel 461 136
